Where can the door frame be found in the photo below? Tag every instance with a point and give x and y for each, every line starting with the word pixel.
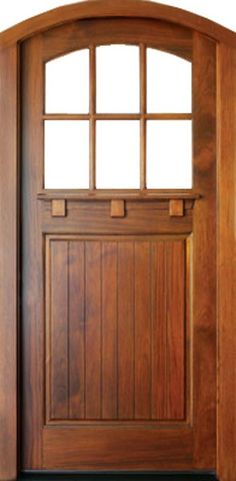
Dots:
pixel 10 41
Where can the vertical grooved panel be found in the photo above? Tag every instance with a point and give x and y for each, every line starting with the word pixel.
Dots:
pixel 158 331
pixel 76 330
pixel 168 335
pixel 142 331
pixel 118 329
pixel 109 330
pixel 126 330
pixel 175 335
pixel 93 330
pixel 59 330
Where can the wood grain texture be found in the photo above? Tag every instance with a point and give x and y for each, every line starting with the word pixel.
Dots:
pixel 93 329
pixel 94 217
pixel 118 30
pixel 159 332
pixel 76 288
pixel 176 330
pixel 143 110
pixel 168 339
pixel 32 294
pixel 119 116
pixel 109 8
pixel 226 265
pixel 126 329
pixel 90 376
pixel 87 281
pixel 176 208
pixel 59 315
pixel 142 340
pixel 117 208
pixel 8 264
pixel 155 449
pixel 58 208
pixel 117 412
pixel 109 331
pixel 92 122
pixel 204 245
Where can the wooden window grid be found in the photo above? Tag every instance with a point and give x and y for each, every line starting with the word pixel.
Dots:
pixel 143 116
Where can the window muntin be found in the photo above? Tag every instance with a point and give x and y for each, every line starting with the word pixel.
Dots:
pixel 138 138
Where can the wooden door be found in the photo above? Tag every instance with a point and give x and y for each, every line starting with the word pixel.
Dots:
pixel 118 285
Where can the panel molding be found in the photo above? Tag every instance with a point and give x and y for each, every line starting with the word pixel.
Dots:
pixel 109 273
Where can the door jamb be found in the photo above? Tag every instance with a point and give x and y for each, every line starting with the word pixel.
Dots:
pixel 10 215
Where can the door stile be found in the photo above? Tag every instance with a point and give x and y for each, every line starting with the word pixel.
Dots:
pixel 226 263
pixel 9 263
pixel 32 275
pixel 204 244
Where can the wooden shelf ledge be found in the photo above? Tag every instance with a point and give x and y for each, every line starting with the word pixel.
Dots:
pixel 112 195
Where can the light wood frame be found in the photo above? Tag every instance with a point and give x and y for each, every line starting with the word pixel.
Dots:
pixel 9 214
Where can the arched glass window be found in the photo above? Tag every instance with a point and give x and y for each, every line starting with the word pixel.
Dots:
pixel 118 117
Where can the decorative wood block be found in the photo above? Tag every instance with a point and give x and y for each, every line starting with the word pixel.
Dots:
pixel 59 208
pixel 176 208
pixel 117 208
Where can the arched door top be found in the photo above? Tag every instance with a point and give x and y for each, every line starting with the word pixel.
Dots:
pixel 109 8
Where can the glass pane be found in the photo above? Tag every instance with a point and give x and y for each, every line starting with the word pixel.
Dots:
pixel 66 154
pixel 67 83
pixel 169 154
pixel 117 79
pixel 118 156
pixel 169 83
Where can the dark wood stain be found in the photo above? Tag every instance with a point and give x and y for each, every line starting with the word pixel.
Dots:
pixel 101 414
pixel 83 374
pixel 150 367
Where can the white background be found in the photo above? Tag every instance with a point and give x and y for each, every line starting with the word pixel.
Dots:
pixel 221 11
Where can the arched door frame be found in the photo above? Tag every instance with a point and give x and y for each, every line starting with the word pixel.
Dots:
pixel 10 41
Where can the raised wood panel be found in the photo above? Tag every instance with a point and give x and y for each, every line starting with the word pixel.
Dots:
pixel 116 329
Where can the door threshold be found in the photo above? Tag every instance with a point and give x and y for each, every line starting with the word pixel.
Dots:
pixel 125 476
